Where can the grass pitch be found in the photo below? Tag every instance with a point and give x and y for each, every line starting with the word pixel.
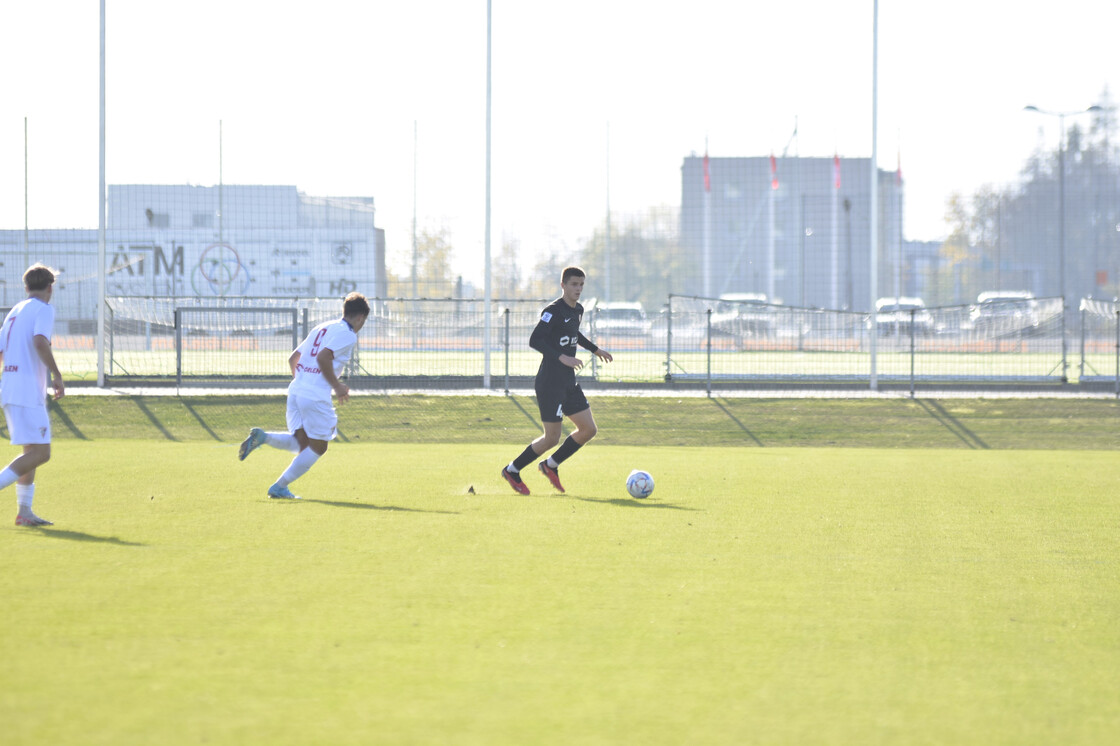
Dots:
pixel 761 595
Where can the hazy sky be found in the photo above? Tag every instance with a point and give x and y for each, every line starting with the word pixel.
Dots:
pixel 325 95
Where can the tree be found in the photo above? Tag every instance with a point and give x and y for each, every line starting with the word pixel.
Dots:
pixel 1014 235
pixel 646 262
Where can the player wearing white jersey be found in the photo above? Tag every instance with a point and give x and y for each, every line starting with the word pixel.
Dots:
pixel 27 362
pixel 316 364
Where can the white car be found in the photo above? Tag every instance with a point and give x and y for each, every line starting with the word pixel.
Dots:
pixel 743 314
pixel 893 316
pixel 1001 312
pixel 621 319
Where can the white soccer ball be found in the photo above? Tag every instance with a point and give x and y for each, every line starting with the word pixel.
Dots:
pixel 639 484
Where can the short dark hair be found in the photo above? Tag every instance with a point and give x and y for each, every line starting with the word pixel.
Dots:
pixel 355 304
pixel 571 272
pixel 38 277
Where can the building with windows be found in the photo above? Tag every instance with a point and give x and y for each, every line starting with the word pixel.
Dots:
pixel 796 230
pixel 216 241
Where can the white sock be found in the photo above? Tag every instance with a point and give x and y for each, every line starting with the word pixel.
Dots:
pixel 7 477
pixel 552 464
pixel 512 469
pixel 303 461
pixel 283 441
pixel 25 493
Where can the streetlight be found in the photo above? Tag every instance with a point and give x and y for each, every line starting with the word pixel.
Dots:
pixel 1061 115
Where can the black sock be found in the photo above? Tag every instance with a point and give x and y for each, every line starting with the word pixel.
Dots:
pixel 566 449
pixel 527 457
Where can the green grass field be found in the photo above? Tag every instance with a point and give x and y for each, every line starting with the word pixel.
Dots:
pixel 940 578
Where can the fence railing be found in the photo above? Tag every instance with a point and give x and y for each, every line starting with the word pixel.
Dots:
pixel 690 341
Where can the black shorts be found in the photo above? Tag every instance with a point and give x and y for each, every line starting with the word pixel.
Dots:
pixel 557 401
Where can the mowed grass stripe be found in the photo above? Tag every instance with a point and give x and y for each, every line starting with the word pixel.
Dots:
pixel 971 424
pixel 775 595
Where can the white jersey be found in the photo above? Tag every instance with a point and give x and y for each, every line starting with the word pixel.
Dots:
pixel 336 336
pixel 24 380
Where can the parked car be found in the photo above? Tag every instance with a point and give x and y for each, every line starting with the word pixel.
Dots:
pixel 622 319
pixel 743 314
pixel 893 316
pixel 1003 312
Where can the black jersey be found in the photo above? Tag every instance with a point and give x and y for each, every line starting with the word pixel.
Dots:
pixel 556 334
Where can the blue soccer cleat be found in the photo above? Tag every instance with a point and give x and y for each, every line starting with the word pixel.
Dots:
pixel 281 493
pixel 253 442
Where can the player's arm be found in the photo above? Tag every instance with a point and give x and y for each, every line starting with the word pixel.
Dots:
pixel 541 340
pixel 325 358
pixel 587 344
pixel 293 361
pixel 43 350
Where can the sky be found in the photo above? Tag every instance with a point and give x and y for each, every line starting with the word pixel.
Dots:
pixel 595 102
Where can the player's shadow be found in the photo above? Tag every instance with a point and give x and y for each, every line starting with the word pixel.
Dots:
pixel 952 424
pixel 638 504
pixel 371 506
pixel 56 533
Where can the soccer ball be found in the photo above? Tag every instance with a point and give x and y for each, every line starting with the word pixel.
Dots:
pixel 639 484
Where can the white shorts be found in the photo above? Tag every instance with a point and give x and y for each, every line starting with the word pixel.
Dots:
pixel 316 417
pixel 28 425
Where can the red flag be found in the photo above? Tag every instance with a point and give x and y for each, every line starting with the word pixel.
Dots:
pixel 773 172
pixel 707 174
pixel 836 170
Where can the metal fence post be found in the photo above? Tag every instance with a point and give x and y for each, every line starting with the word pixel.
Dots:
pixel 912 310
pixel 669 341
pixel 178 347
pixel 1118 353
pixel 1065 361
pixel 506 343
pixel 709 353
pixel 1081 368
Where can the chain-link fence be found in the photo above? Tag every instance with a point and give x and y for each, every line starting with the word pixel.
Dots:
pixel 440 343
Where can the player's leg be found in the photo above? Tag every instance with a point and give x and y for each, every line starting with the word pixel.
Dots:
pixel 316 423
pixel 258 437
pixel 552 414
pixel 29 428
pixel 581 417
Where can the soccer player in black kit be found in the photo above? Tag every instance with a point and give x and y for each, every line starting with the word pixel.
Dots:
pixel 555 337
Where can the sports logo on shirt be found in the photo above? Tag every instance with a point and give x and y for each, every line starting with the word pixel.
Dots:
pixel 546 317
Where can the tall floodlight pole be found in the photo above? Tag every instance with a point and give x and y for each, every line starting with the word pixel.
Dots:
pixel 874 253
pixel 1061 115
pixel 221 180
pixel 486 324
pixel 101 216
pixel 26 241
pixel 607 243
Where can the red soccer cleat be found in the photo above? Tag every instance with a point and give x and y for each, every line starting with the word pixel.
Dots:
pixel 552 475
pixel 515 481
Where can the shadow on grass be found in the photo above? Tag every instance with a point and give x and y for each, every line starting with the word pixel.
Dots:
pixel 532 419
pixel 198 418
pixel 369 506
pixel 64 418
pixel 56 533
pixel 952 424
pixel 735 419
pixel 641 504
pixel 139 402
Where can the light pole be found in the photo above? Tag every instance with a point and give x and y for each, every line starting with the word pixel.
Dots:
pixel 1061 115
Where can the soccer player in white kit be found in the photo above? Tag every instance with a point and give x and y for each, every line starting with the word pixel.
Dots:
pixel 27 360
pixel 312 421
